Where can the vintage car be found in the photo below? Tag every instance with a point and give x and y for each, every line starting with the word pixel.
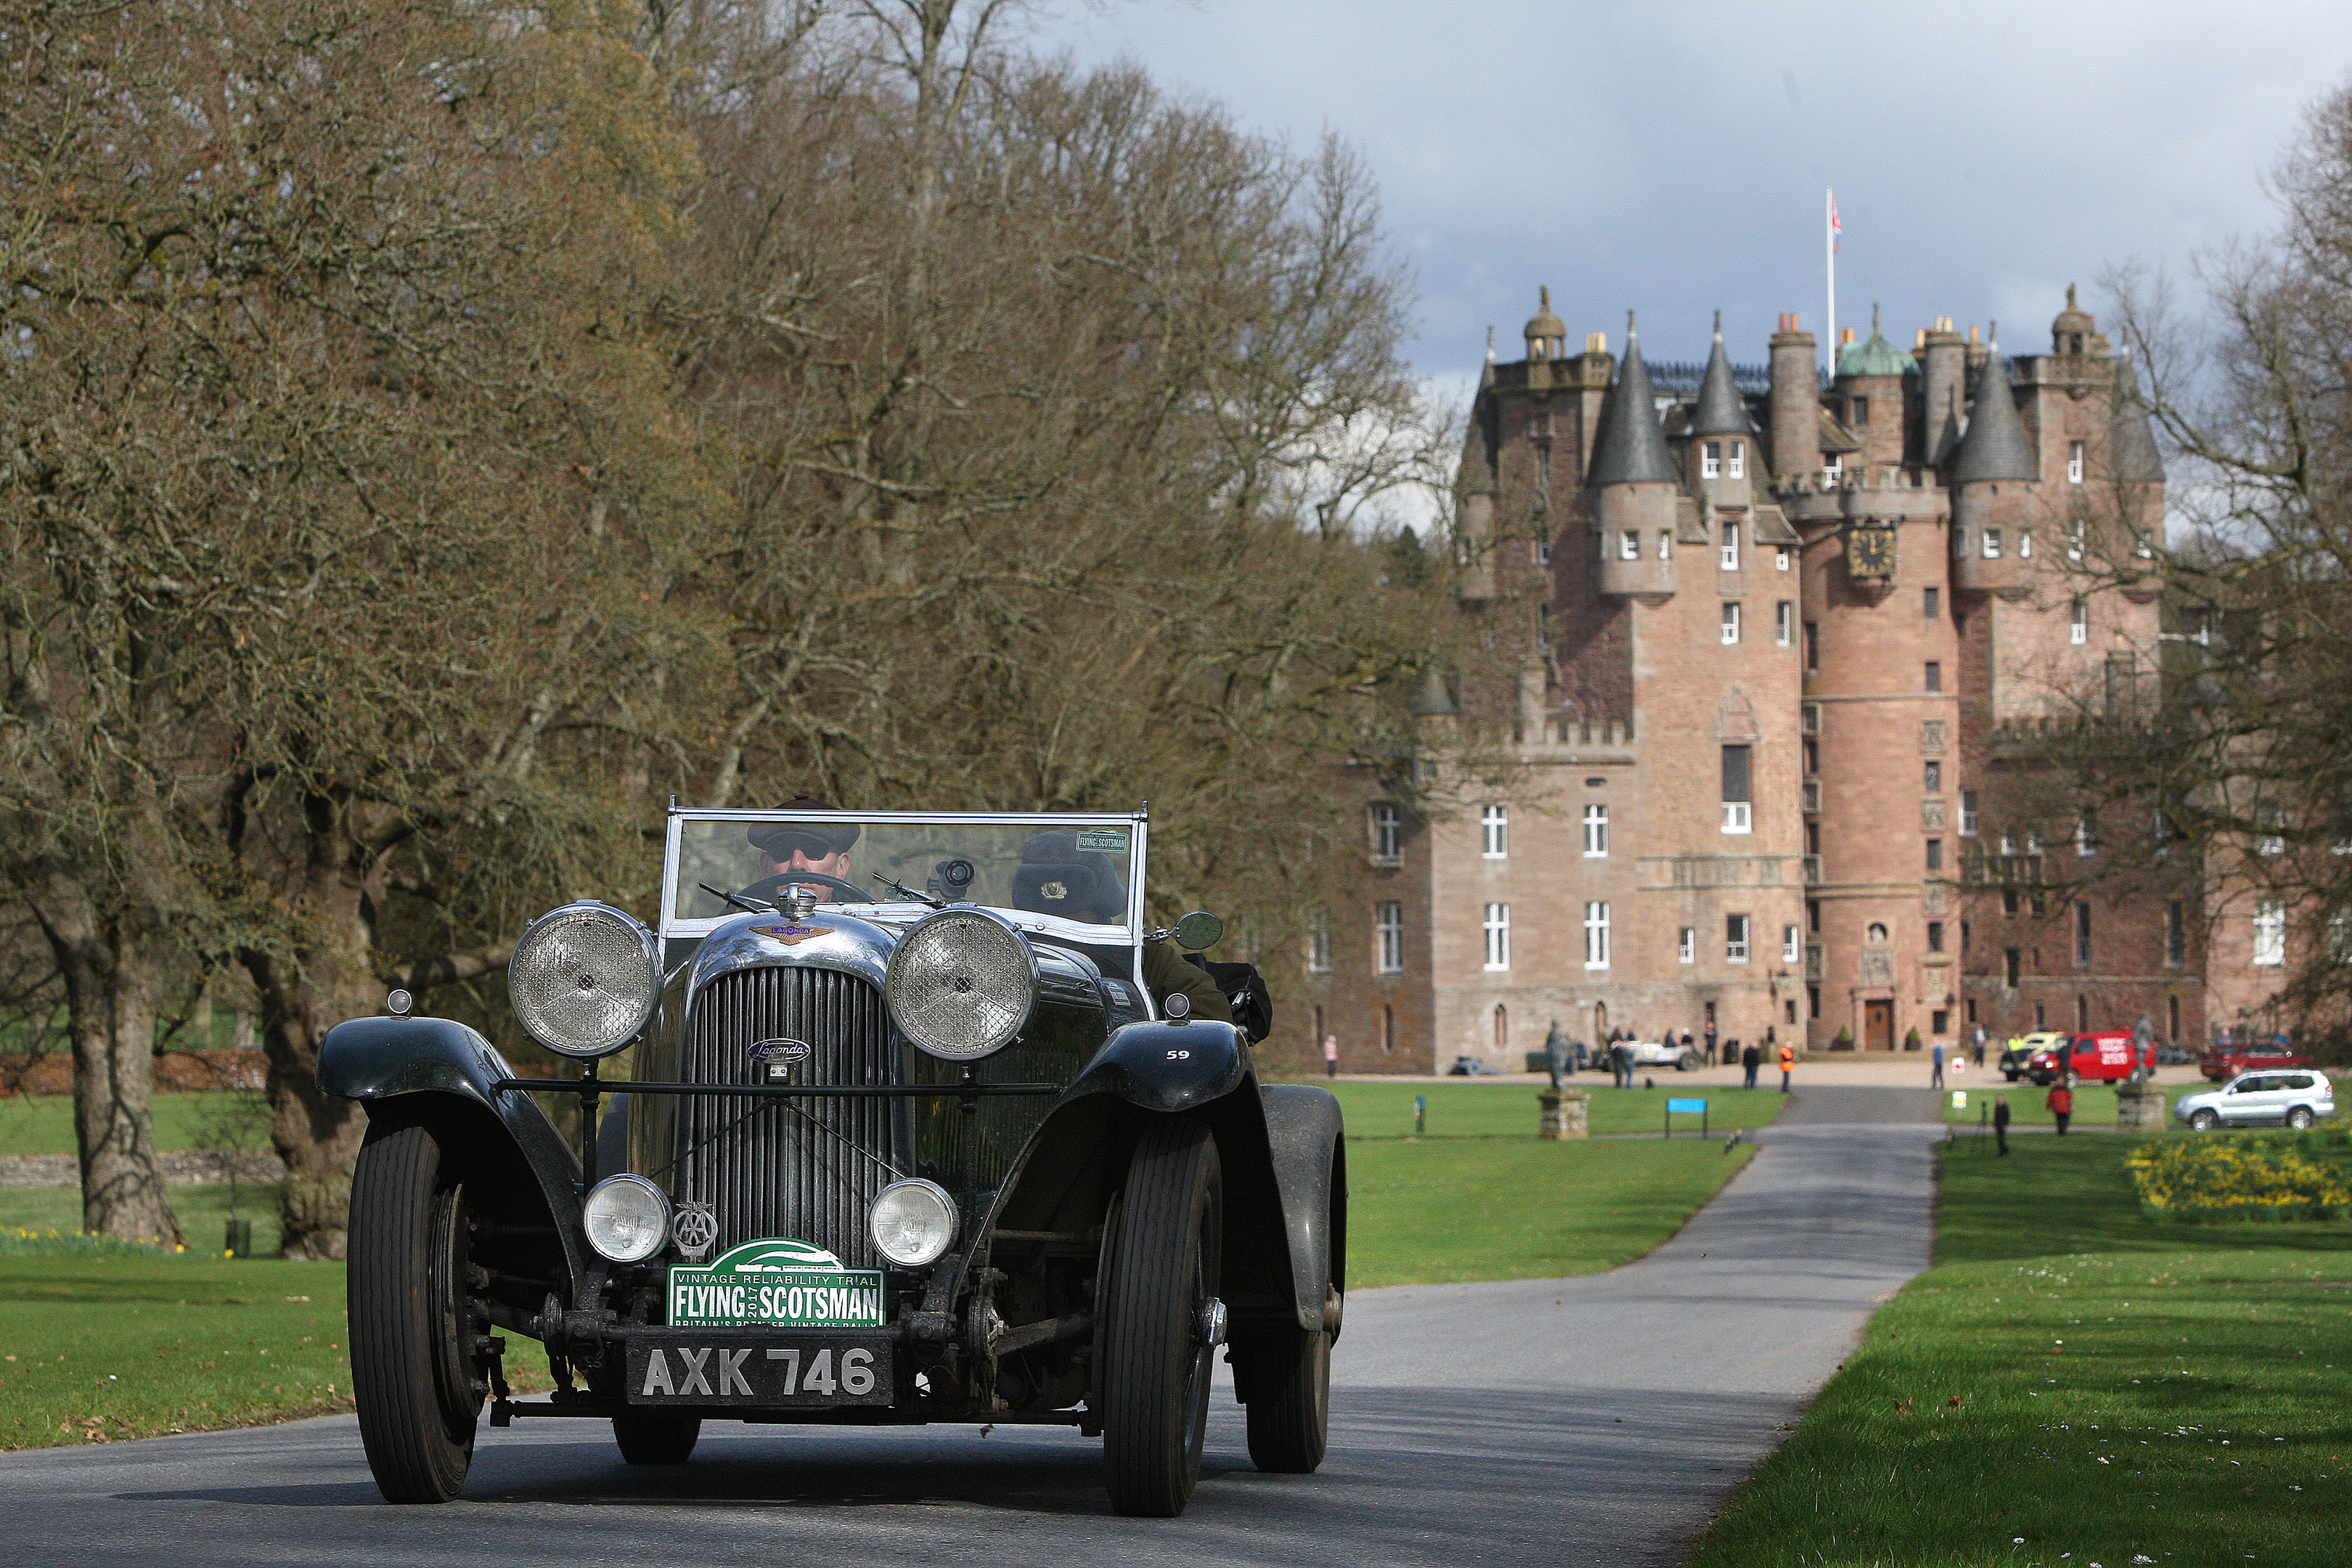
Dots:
pixel 903 1136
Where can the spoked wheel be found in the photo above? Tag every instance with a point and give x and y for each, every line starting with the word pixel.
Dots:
pixel 1287 1371
pixel 1161 1318
pixel 656 1436
pixel 413 1366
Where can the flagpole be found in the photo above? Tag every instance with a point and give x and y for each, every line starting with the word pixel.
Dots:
pixel 1828 252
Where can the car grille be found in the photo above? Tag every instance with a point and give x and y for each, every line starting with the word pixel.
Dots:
pixel 801 1168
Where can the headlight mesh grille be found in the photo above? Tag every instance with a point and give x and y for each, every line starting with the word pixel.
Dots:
pixel 580 981
pixel 961 985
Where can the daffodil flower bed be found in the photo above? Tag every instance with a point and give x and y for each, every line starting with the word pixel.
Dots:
pixel 2240 1176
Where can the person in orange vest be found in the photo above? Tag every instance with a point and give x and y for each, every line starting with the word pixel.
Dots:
pixel 2062 1105
pixel 1788 1066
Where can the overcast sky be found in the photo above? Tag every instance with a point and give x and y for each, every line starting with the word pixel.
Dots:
pixel 1672 158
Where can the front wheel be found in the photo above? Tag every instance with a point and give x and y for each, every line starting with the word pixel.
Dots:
pixel 413 1375
pixel 1161 1318
pixel 2204 1121
pixel 1686 1062
pixel 2300 1118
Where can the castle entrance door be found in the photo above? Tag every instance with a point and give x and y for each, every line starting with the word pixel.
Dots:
pixel 1878 1025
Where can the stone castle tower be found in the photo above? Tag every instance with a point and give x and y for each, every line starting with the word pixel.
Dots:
pixel 1787 637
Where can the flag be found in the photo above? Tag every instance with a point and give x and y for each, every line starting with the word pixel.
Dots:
pixel 1837 229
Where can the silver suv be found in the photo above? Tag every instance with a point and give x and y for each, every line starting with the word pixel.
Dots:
pixel 2293 1096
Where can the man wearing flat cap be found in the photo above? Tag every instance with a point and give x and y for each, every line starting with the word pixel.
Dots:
pixel 817 849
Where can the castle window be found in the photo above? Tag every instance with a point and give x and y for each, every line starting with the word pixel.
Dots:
pixel 2078 623
pixel 1992 545
pixel 1629 545
pixel 1813 652
pixel 2270 932
pixel 1596 934
pixel 1858 413
pixel 1390 924
pixel 1686 950
pixel 1738 796
pixel 1497 927
pixel 1666 544
pixel 1927 602
pixel 2087 834
pixel 1935 936
pixel 1495 832
pixel 2081 935
pixel 1935 675
pixel 1711 462
pixel 1543 552
pixel 1833 465
pixel 1319 943
pixel 1596 832
pixel 1935 854
pixel 2009 968
pixel 1731 547
pixel 1388 831
pixel 1738 469
pixel 2025 544
pixel 2075 541
pixel 1788 944
pixel 2074 462
pixel 1876 935
pixel 1932 774
pixel 1735 939
pixel 1967 813
pixel 1784 622
pixel 1780 559
pixel 1730 622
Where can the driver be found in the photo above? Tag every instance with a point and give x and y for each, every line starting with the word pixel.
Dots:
pixel 792 847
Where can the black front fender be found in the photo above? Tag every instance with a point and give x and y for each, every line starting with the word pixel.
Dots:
pixel 1306 1142
pixel 403 1065
pixel 1165 1066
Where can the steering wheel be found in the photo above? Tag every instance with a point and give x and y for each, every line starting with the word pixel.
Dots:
pixel 771 888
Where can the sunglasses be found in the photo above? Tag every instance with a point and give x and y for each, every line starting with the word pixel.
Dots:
pixel 781 847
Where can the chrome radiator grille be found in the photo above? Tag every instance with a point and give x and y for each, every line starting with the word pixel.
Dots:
pixel 801 1168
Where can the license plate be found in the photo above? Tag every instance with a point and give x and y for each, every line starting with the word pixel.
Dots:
pixel 693 1367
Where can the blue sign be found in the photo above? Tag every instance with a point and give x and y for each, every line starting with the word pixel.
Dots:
pixel 1686 1107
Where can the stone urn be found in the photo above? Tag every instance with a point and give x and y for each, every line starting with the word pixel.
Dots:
pixel 1563 1112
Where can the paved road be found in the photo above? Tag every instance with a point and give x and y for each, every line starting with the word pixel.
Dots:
pixel 1599 1420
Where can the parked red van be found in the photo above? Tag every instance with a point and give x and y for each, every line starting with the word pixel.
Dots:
pixel 2103 1058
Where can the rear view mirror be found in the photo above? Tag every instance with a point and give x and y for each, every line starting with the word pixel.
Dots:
pixel 1199 930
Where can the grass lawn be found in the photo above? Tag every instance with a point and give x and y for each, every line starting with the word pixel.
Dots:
pixel 203 1212
pixel 1474 1110
pixel 2073 1384
pixel 2095 1103
pixel 43 1124
pixel 1464 1209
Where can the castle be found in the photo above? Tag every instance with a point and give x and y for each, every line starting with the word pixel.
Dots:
pixel 1788 640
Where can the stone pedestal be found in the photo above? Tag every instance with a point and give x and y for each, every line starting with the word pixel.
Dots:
pixel 2140 1108
pixel 1563 1112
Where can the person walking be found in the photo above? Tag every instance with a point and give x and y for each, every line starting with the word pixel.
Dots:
pixel 1788 1066
pixel 1621 1058
pixel 1710 1041
pixel 2062 1105
pixel 1978 1040
pixel 2000 1122
pixel 1750 1059
pixel 1330 1056
pixel 1936 1071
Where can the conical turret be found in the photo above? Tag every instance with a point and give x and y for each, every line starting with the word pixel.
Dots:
pixel 2132 457
pixel 1995 446
pixel 1631 447
pixel 1720 411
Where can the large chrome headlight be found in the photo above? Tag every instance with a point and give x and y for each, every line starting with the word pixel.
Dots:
pixel 960 985
pixel 911 1222
pixel 626 1218
pixel 584 979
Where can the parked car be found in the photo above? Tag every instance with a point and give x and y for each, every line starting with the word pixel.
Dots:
pixel 2259 1099
pixel 2220 1062
pixel 929 1151
pixel 2014 1063
pixel 1667 1054
pixel 2107 1057
pixel 2172 1056
pixel 1473 1067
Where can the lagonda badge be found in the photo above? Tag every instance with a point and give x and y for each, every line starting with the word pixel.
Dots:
pixel 792 933
pixel 779 1056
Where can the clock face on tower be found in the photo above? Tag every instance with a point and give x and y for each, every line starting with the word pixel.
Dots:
pixel 1870 552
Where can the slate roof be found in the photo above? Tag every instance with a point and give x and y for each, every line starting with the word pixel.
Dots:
pixel 1995 446
pixel 1631 447
pixel 1721 410
pixel 2131 445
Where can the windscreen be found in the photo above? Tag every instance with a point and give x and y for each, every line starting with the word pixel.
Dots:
pixel 1077 873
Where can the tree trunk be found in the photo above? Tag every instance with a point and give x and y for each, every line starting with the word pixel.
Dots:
pixel 112 979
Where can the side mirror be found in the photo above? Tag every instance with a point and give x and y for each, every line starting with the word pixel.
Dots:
pixel 1199 930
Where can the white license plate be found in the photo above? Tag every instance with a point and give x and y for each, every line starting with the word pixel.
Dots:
pixel 694 1367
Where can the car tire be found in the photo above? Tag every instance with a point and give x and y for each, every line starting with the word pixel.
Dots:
pixel 418 1394
pixel 1162 1266
pixel 656 1436
pixel 2300 1118
pixel 1289 1409
pixel 2204 1121
pixel 1686 1062
pixel 2009 1075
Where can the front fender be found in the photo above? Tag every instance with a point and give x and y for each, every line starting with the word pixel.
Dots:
pixel 1306 1142
pixel 411 1062
pixel 1165 1066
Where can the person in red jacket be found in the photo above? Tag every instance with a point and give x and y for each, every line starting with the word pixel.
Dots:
pixel 2061 1106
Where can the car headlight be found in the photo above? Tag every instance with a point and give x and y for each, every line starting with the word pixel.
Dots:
pixel 584 979
pixel 911 1222
pixel 960 985
pixel 626 1218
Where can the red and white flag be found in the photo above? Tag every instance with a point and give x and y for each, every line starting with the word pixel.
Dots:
pixel 1837 229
